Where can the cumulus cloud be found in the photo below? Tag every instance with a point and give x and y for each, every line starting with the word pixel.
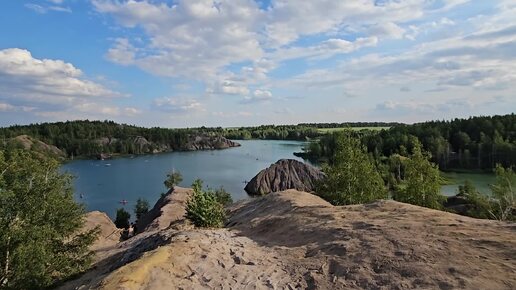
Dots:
pixel 178 105
pixel 48 87
pixel 25 78
pixel 257 97
pixel 228 87
pixel 191 39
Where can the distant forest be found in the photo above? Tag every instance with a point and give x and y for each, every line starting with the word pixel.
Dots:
pixel 473 143
pixel 79 138
pixel 302 132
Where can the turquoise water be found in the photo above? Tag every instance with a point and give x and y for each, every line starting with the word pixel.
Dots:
pixel 480 180
pixel 103 184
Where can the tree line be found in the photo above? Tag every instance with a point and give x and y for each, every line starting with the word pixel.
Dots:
pixel 475 143
pixel 82 138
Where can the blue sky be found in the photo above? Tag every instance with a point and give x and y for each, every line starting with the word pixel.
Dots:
pixel 243 62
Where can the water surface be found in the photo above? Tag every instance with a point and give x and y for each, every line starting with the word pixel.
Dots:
pixel 481 181
pixel 103 184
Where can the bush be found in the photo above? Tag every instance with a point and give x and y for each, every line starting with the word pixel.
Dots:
pixel 122 218
pixel 173 179
pixel 204 209
pixel 141 208
pixel 222 196
pixel 352 178
pixel 479 205
pixel 504 194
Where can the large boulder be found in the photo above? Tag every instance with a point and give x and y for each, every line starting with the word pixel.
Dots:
pixel 282 175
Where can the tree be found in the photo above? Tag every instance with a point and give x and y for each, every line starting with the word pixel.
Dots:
pixel 421 184
pixel 504 194
pixel 40 242
pixel 352 177
pixel 479 205
pixel 122 218
pixel 222 196
pixel 173 179
pixel 203 208
pixel 141 207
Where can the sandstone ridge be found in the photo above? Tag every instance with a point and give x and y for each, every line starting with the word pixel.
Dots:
pixel 295 240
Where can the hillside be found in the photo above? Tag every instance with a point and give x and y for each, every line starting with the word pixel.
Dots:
pixel 295 240
pixel 91 138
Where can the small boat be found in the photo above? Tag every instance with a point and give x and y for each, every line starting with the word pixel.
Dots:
pixel 107 164
pixel 81 195
pixel 123 201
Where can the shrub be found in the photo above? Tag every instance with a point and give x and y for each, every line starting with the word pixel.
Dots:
pixel 141 207
pixel 204 209
pixel 223 196
pixel 173 179
pixel 504 194
pixel 122 218
pixel 479 205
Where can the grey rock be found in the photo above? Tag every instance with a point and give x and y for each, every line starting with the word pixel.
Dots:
pixel 285 174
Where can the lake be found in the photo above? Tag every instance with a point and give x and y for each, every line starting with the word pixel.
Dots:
pixel 481 181
pixel 104 184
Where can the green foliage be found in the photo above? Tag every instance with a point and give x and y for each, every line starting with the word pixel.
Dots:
pixel 122 218
pixel 421 183
pixel 173 179
pixel 86 138
pixel 504 194
pixel 203 208
pixel 141 207
pixel 351 178
pixel 39 222
pixel 480 205
pixel 222 196
pixel 474 143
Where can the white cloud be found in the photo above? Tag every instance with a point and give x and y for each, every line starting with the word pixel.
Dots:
pixel 192 39
pixel 228 87
pixel 52 88
pixel 42 9
pixel 4 107
pixel 258 96
pixel 23 77
pixel 178 105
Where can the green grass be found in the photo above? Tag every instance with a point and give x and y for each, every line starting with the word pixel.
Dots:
pixel 330 130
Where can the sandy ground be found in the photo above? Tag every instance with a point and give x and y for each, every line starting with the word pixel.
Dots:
pixel 295 240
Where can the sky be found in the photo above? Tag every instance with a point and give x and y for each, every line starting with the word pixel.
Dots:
pixel 189 63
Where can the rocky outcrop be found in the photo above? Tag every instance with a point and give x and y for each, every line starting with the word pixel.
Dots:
pixel 209 142
pixel 32 144
pixel 282 175
pixel 109 234
pixel 296 240
pixel 168 209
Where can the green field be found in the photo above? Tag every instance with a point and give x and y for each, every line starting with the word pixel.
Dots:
pixel 330 130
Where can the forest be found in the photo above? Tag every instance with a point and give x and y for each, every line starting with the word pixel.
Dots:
pixel 476 143
pixel 81 138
